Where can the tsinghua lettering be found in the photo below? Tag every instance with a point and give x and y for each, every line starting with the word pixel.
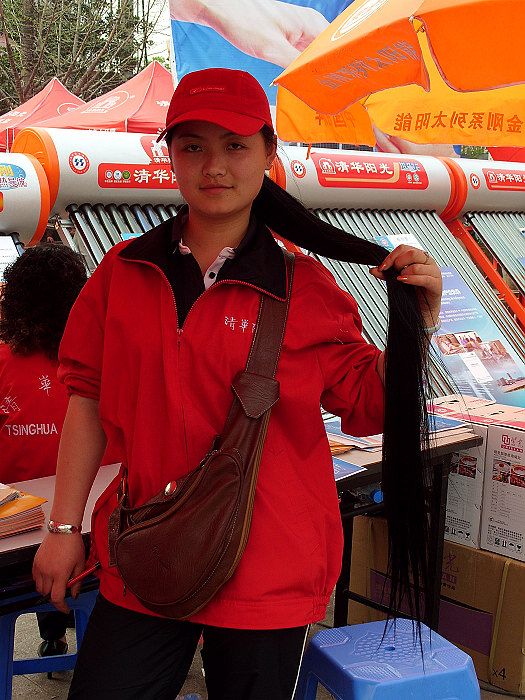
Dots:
pixel 22 429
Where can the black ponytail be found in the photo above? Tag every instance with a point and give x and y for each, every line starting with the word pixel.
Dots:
pixel 407 475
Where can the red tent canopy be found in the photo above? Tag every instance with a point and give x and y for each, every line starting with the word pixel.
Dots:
pixel 516 154
pixel 138 105
pixel 51 101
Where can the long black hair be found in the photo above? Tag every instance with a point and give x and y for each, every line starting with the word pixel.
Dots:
pixel 406 472
pixel 40 289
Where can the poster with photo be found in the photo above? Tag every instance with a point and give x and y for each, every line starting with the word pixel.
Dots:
pixel 474 350
pixel 258 36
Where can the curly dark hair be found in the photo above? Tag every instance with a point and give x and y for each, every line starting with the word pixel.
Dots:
pixel 40 289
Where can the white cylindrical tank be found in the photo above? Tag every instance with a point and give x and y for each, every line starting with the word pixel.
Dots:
pixel 24 197
pixel 109 167
pixel 491 185
pixel 101 167
pixel 366 180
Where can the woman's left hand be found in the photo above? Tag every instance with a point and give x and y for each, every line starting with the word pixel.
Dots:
pixel 416 267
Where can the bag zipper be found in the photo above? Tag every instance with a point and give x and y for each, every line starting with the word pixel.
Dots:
pixel 182 498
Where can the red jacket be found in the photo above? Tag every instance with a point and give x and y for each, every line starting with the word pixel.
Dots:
pixel 164 394
pixel 32 408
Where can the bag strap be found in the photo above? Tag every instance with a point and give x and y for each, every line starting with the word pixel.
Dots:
pixel 271 323
pixel 255 387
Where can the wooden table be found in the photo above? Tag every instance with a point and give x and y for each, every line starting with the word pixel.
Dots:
pixel 441 454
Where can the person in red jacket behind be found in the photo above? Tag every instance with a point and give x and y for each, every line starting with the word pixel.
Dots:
pixel 149 355
pixel 40 288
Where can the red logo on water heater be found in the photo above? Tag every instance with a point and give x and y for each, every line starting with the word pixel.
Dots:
pixel 157 151
pixel 298 168
pixel 78 162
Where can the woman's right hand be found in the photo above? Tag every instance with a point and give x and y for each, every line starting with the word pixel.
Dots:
pixel 59 558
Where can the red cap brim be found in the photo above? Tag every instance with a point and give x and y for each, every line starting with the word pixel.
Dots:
pixel 233 121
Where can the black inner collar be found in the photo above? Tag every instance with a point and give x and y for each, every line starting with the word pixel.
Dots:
pixel 258 260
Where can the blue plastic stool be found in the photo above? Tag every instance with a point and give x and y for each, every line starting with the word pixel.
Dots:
pixel 82 607
pixel 356 663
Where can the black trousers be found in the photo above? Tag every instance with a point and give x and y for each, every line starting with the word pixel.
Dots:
pixel 129 656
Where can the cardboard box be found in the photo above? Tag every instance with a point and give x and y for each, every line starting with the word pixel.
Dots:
pixel 499 414
pixel 482 607
pixel 465 485
pixel 465 493
pixel 457 403
pixel 503 517
pixel 501 528
pixel 479 411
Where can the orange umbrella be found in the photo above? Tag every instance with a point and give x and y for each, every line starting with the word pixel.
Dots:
pixel 460 60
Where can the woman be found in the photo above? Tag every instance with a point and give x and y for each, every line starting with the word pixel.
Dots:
pixel 40 288
pixel 148 356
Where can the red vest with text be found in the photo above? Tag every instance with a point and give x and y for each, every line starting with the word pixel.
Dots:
pixel 32 408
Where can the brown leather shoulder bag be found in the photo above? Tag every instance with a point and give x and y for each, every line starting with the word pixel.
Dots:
pixel 178 549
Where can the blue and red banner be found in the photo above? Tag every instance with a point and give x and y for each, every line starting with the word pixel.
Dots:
pixel 259 36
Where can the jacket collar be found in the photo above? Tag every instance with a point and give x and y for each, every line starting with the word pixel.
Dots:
pixel 259 260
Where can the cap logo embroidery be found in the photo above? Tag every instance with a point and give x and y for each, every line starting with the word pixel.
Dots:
pixel 207 88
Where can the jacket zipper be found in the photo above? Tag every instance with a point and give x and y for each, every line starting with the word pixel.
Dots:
pixel 179 337
pixel 181 330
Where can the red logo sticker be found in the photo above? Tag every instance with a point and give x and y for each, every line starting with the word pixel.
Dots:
pixel 298 168
pixel 475 181
pixel 355 171
pixel 144 176
pixel 504 179
pixel 78 162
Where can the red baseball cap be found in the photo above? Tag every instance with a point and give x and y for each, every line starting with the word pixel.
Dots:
pixel 232 99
